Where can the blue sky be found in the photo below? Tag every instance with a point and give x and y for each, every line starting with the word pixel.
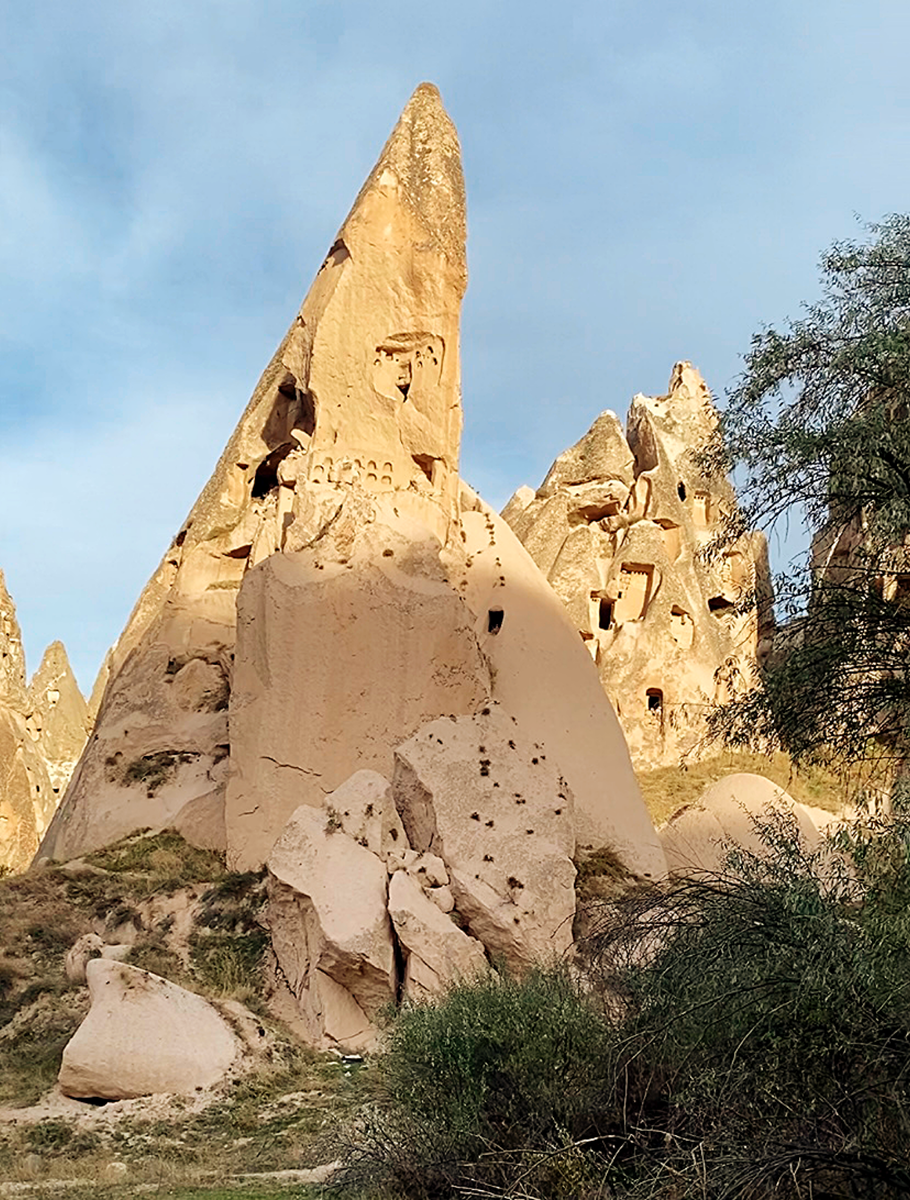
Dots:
pixel 647 181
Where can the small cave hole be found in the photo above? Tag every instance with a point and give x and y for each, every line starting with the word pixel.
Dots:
pixel 266 478
pixel 425 461
pixel 655 701
pixel 720 605
pixel 681 490
pixel 495 618
pixel 605 614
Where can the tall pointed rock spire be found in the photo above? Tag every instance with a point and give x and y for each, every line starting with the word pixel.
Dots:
pixel 12 657
pixel 363 393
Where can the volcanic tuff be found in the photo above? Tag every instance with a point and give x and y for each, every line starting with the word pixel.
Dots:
pixel 335 591
pixel 43 728
pixel 617 527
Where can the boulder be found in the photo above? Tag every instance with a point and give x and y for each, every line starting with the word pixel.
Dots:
pixel 366 809
pixel 699 836
pixel 144 1035
pixel 438 953
pixel 329 926
pixel 476 793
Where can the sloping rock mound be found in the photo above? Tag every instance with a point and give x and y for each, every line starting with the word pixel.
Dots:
pixel 699 837
pixel 144 1035
pixel 617 527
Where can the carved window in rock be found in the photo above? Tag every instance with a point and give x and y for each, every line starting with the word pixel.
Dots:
pixel 702 510
pixel 682 627
pixel 654 701
pixel 605 613
pixel 635 583
pixel 407 364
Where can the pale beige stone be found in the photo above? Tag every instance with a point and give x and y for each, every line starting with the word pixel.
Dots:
pixel 389 645
pixel 84 949
pixel 144 1035
pixel 438 952
pixel 366 809
pixel 492 805
pixel 658 617
pixel 327 916
pixel 56 721
pixel 700 836
pixel 527 636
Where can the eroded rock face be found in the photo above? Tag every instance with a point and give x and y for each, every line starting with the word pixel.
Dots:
pixel 144 1035
pixel 491 804
pixel 361 395
pixel 42 732
pixel 57 719
pixel 617 527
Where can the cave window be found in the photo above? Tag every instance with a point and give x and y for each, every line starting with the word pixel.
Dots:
pixel 654 698
pixel 605 614
pixel 681 490
pixel 720 605
pixel 266 478
pixel 495 618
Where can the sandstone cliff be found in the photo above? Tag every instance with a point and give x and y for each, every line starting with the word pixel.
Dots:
pixel 618 527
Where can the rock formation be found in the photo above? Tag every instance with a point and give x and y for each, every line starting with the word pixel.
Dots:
pixel 617 527
pixel 144 1035
pixel 699 836
pixel 42 732
pixel 336 587
pixel 336 599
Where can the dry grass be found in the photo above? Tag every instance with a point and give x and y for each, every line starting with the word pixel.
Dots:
pixel 286 1118
pixel 670 788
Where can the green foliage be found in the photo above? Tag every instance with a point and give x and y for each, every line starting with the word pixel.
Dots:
pixel 164 857
pixel 818 426
pixel 743 1036
pixel 154 770
pixel 498 1070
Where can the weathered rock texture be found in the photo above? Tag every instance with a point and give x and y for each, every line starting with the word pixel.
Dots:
pixel 617 527
pixel 729 814
pixel 336 587
pixel 144 1035
pixel 337 590
pixel 43 728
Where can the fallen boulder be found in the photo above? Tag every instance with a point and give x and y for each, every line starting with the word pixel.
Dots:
pixel 438 952
pixel 143 1035
pixel 329 926
pixel 476 793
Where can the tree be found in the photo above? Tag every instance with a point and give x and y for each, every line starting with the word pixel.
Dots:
pixel 817 426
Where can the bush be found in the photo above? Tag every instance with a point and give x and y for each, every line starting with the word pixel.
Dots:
pixel 766 1021
pixel 740 1036
pixel 494 1073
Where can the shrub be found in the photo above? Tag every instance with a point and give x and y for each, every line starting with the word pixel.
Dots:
pixel 494 1072
pixel 741 1036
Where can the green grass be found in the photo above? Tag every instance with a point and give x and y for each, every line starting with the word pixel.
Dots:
pixel 668 789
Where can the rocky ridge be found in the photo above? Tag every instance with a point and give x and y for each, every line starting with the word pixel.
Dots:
pixel 618 527
pixel 43 728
